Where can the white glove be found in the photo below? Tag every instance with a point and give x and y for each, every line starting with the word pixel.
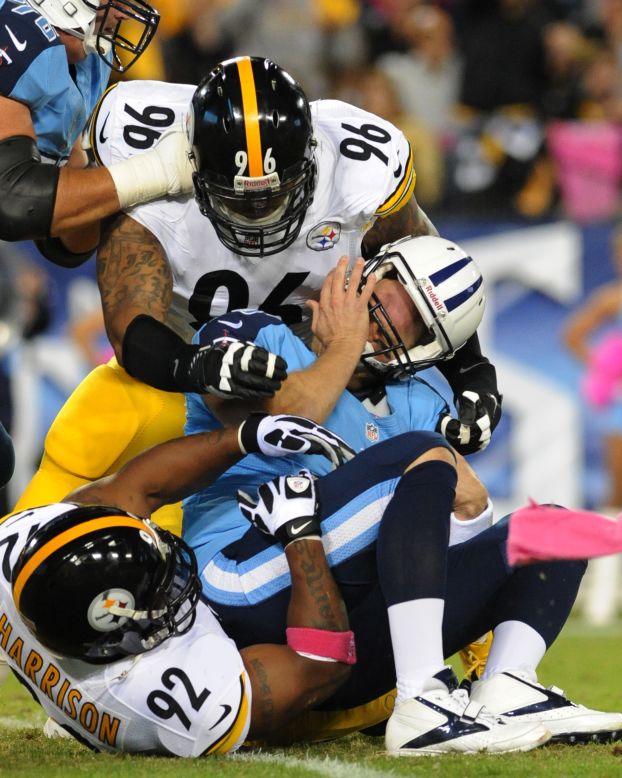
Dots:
pixel 286 508
pixel 163 170
pixel 279 436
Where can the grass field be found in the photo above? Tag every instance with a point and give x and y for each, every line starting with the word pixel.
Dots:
pixel 586 663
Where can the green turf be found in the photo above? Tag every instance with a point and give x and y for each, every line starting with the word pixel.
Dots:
pixel 585 663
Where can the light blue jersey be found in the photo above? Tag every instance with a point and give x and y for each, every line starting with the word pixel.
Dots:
pixel 211 517
pixel 34 71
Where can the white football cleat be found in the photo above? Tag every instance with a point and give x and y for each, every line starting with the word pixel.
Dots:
pixel 516 696
pixel 442 720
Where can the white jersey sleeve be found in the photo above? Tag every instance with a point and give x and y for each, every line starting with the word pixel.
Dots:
pixel 132 115
pixel 374 165
pixel 188 697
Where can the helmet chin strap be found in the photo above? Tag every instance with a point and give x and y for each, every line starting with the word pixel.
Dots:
pixel 91 45
pixel 134 615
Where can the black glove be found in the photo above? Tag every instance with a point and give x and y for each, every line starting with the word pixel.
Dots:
pixel 285 508
pixel 238 369
pixel 278 436
pixel 478 415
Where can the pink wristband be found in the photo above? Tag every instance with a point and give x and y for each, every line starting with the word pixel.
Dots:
pixel 339 646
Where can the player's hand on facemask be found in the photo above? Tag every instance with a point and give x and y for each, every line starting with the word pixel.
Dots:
pixel 478 415
pixel 285 508
pixel 232 369
pixel 278 436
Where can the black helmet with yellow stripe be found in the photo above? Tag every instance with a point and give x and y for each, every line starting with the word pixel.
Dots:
pixel 253 146
pixel 97 584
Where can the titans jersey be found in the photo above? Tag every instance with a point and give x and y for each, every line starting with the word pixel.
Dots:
pixel 365 171
pixel 34 71
pixel 189 696
pixel 211 518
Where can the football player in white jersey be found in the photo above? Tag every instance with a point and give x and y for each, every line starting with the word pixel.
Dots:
pixel 283 189
pixel 101 616
pixel 48 193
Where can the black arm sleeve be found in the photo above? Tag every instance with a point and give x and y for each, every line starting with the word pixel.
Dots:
pixel 470 369
pixel 54 250
pixel 28 190
pixel 150 349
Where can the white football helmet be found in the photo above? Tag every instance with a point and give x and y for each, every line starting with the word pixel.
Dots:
pixel 88 20
pixel 447 289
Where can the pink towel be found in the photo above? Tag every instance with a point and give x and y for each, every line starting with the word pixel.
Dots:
pixel 539 532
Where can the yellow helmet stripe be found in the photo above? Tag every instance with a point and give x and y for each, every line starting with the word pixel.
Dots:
pixel 251 117
pixel 66 537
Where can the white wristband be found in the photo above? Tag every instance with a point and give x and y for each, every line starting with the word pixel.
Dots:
pixel 163 170
pixel 138 179
pixel 465 529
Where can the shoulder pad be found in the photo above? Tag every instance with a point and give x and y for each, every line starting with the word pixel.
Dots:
pixel 373 160
pixel 24 35
pixel 131 116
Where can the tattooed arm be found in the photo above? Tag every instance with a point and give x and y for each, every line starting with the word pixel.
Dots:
pixel 164 474
pixel 133 275
pixel 285 683
pixel 409 220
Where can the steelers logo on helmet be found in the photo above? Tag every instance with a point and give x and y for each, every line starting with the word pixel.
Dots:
pixel 254 150
pixel 446 288
pixel 97 583
pixel 106 609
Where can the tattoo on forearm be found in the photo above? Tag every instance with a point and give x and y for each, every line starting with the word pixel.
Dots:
pixel 263 701
pixel 132 270
pixel 318 581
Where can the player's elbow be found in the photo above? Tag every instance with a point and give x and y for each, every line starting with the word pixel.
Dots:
pixel 327 680
pixel 28 190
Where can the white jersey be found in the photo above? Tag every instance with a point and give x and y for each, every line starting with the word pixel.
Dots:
pixel 365 172
pixel 189 696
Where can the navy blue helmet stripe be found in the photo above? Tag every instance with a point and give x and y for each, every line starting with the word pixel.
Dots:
pixel 453 302
pixel 447 272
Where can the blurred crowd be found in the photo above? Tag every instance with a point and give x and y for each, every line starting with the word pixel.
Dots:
pixel 513 107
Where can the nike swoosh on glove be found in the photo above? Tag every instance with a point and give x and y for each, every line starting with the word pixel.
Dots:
pixel 285 508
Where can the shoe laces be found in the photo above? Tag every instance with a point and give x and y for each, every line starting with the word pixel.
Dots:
pixel 469 709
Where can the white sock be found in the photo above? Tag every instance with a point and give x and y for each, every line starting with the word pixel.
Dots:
pixel 515 646
pixel 464 529
pixel 417 639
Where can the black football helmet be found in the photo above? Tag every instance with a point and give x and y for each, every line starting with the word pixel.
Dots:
pixel 253 145
pixel 97 584
pixel 101 33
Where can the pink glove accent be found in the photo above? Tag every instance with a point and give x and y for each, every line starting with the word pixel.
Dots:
pixel 538 532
